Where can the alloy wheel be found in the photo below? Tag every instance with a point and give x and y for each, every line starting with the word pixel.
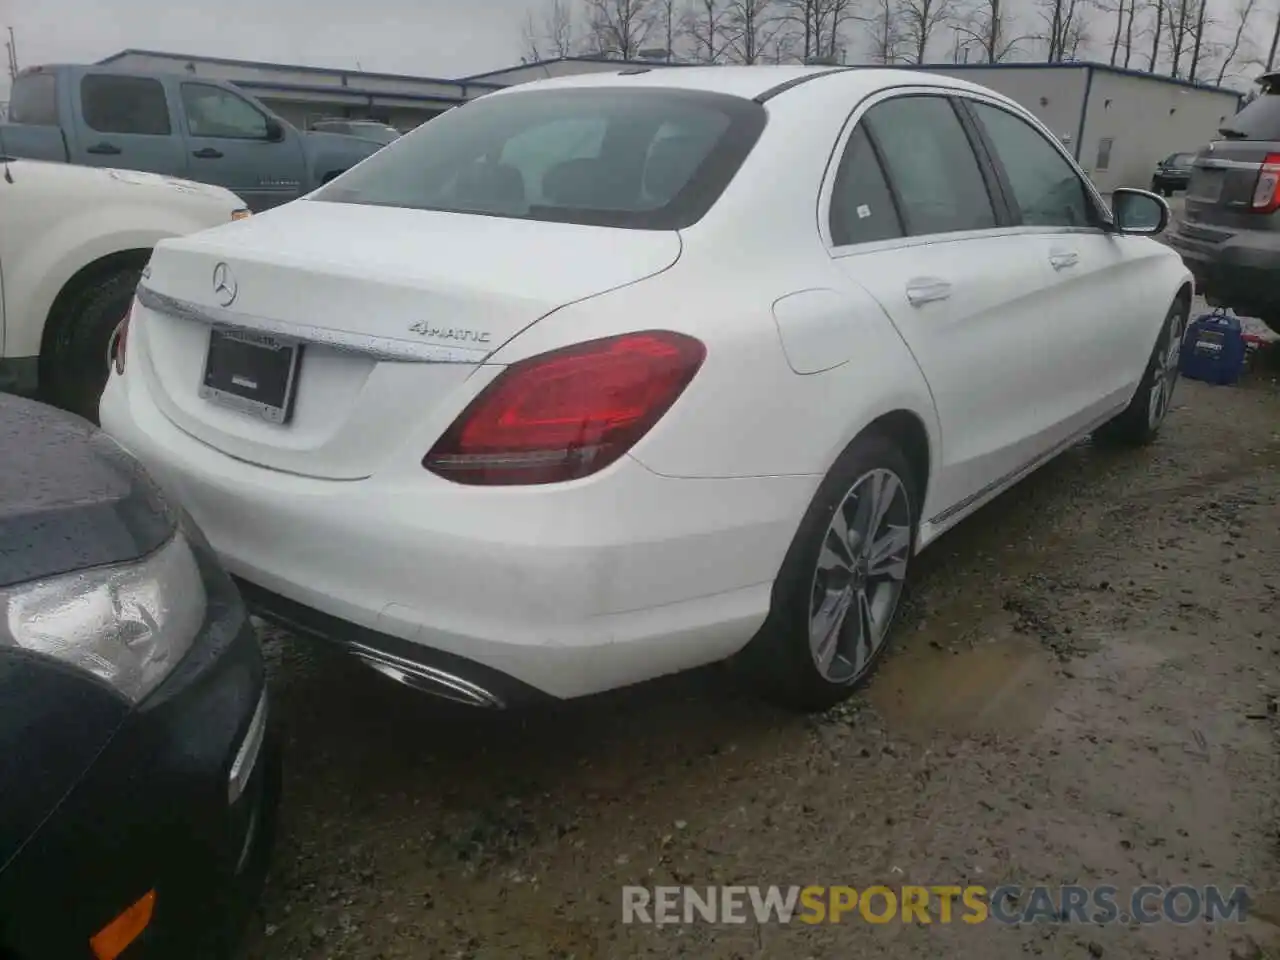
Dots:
pixel 1165 375
pixel 860 572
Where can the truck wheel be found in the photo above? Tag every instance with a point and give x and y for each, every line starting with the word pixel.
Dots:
pixel 73 364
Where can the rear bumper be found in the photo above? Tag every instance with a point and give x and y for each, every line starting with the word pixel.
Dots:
pixel 568 589
pixel 154 812
pixel 1242 272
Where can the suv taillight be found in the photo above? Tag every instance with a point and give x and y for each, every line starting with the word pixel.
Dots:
pixel 568 413
pixel 1266 195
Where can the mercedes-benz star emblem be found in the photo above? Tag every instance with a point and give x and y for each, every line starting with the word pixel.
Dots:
pixel 224 285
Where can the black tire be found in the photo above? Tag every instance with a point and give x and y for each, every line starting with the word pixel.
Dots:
pixel 73 364
pixel 780 661
pixel 1137 425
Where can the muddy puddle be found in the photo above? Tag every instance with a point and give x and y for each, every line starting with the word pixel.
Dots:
pixel 994 686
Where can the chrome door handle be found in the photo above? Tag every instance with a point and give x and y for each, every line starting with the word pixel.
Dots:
pixel 1063 259
pixel 927 290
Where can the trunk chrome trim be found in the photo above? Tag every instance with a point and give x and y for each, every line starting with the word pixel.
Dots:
pixel 365 345
pixel 1216 163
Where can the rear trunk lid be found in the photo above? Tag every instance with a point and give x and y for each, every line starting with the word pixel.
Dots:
pixel 392 310
pixel 1220 192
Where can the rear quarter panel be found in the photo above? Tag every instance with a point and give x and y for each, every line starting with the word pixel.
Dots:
pixel 748 413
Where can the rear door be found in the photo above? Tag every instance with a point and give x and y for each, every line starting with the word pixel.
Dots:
pixel 1093 284
pixel 230 144
pixel 127 122
pixel 917 221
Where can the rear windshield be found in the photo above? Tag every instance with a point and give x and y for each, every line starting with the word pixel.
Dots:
pixel 34 99
pixel 1260 120
pixel 648 159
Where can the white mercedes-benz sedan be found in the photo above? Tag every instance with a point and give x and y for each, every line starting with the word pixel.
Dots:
pixel 605 377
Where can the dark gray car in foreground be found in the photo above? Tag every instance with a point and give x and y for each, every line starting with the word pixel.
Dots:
pixel 138 773
pixel 1229 235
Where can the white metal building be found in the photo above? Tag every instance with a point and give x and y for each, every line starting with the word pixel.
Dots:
pixel 1118 122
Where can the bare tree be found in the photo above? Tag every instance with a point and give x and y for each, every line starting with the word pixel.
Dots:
pixel 884 30
pixel 1243 14
pixel 839 14
pixel 1129 19
pixel 706 27
pixel 1197 38
pixel 1064 20
pixel 753 27
pixel 1161 8
pixel 920 21
pixel 1182 20
pixel 817 27
pixel 619 28
pixel 550 35
pixel 669 22
pixel 987 27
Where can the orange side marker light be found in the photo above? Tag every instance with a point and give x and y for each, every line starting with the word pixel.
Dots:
pixel 111 941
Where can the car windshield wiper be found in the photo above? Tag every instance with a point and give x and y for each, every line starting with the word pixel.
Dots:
pixel 1232 134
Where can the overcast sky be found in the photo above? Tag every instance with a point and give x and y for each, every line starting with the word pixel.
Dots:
pixel 448 38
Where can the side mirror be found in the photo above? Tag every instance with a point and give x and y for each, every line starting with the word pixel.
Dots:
pixel 1138 211
pixel 275 130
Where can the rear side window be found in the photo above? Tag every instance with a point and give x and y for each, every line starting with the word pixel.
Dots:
pixel 1045 186
pixel 34 99
pixel 862 209
pixel 931 165
pixel 120 104
pixel 648 159
pixel 1260 120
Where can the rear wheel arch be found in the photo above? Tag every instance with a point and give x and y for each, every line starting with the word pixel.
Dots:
pixel 907 430
pixel 117 269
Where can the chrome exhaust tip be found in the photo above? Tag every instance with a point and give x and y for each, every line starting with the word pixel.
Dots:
pixel 425 679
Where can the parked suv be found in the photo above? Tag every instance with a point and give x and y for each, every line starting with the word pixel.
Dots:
pixel 1229 235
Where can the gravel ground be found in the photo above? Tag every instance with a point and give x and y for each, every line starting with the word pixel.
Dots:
pixel 1082 689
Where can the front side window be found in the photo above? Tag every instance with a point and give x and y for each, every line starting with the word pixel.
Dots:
pixel 214 112
pixel 862 208
pixel 931 164
pixel 34 99
pixel 652 159
pixel 113 103
pixel 1046 188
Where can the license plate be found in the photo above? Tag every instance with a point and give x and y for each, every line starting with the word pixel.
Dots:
pixel 254 373
pixel 1206 185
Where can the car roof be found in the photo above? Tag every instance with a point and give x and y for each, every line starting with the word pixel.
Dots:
pixel 749 82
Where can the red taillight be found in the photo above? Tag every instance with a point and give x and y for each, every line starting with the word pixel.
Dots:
pixel 568 413
pixel 1266 195
pixel 119 340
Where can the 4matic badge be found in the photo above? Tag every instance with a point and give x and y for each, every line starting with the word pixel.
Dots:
pixel 458 334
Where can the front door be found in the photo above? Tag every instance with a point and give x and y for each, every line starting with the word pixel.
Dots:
pixel 917 222
pixel 1092 278
pixel 126 122
pixel 230 143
